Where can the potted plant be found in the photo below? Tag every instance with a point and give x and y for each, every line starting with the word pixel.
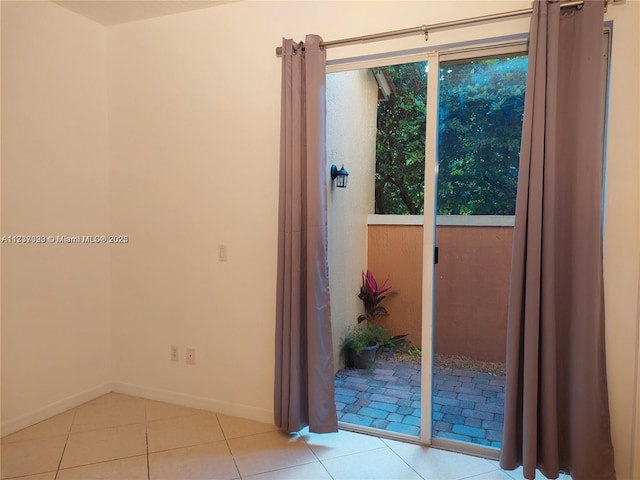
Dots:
pixel 372 295
pixel 362 342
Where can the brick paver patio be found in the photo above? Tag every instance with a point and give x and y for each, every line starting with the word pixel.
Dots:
pixel 467 406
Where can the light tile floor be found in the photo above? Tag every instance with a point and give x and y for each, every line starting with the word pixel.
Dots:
pixel 126 438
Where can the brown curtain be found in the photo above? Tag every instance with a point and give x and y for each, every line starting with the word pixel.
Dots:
pixel 304 388
pixel 556 405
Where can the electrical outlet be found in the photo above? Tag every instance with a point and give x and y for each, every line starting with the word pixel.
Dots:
pixel 191 356
pixel 174 353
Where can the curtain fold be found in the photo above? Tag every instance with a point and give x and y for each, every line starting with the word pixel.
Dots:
pixel 556 405
pixel 304 375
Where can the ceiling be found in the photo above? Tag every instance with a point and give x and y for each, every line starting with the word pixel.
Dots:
pixel 112 12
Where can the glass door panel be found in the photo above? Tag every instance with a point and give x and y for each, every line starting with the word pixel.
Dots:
pixel 376 127
pixel 480 111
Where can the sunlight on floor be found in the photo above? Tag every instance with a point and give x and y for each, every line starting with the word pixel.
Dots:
pixel 118 436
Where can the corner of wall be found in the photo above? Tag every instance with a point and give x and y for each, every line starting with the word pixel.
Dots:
pixel 55 294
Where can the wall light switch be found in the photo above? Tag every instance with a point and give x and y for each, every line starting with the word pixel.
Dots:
pixel 222 253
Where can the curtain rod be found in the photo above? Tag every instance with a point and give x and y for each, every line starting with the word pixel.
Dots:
pixel 425 29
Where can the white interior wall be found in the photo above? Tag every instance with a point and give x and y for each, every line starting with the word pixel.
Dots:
pixel 214 97
pixel 56 333
pixel 193 159
pixel 192 99
pixel 192 150
pixel 352 103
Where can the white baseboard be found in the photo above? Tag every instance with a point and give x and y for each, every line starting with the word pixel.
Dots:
pixel 203 403
pixel 224 408
pixel 13 425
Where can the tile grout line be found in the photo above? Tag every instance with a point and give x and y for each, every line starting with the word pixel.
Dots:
pixel 404 461
pixel 306 441
pixel 284 468
pixel 105 428
pixel 226 441
pixel 289 467
pixel 146 436
pixel 314 453
pixel 355 453
pixel 326 470
pixel 489 465
pixel 64 449
pixel 348 455
pixel 85 465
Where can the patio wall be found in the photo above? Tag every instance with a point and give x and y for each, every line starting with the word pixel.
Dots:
pixel 396 251
pixel 472 281
pixel 352 99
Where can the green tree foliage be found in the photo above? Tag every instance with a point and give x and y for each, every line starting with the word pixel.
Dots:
pixel 480 125
pixel 399 182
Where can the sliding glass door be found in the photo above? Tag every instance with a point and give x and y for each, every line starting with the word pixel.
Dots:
pixel 481 102
pixel 376 127
pixel 431 144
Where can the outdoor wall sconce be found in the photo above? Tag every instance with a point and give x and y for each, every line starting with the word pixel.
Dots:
pixel 341 175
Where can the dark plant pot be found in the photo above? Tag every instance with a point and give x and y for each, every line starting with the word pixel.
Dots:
pixel 365 358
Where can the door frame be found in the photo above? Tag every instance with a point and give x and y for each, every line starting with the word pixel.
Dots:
pixel 434 57
pixel 428 246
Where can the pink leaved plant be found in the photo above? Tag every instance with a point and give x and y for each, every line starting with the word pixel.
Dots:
pixel 372 294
